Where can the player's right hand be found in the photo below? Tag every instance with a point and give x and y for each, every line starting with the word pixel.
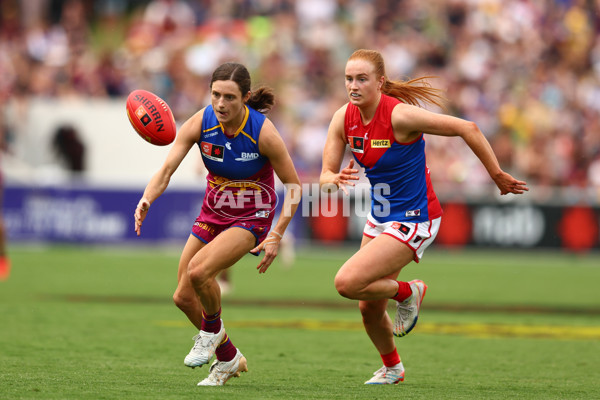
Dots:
pixel 140 214
pixel 345 177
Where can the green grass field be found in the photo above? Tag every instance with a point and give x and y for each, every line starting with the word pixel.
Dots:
pixel 94 323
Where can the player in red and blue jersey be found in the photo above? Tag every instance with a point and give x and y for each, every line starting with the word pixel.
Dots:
pixel 241 150
pixel 384 128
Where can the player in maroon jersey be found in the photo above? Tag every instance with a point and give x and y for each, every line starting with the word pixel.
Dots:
pixel 242 150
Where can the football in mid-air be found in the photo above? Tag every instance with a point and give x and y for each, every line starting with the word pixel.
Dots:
pixel 151 117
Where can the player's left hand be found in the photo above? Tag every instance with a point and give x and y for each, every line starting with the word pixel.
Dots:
pixel 271 246
pixel 507 184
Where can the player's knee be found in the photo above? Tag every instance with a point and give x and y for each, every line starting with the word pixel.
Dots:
pixel 183 301
pixel 371 312
pixel 198 274
pixel 345 286
pixel 365 308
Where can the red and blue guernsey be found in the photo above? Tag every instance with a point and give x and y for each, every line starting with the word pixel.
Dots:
pixel 240 182
pixel 401 188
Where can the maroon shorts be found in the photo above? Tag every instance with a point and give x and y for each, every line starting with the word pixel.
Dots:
pixel 206 231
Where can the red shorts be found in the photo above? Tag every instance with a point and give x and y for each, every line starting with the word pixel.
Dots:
pixel 206 231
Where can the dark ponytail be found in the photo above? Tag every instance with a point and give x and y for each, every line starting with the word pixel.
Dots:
pixel 262 99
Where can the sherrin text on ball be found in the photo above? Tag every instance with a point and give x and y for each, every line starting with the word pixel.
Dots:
pixel 151 117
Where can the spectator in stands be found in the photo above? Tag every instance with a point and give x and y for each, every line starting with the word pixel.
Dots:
pixel 517 69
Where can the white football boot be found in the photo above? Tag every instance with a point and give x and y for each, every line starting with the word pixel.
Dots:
pixel 205 345
pixel 407 311
pixel 222 371
pixel 387 375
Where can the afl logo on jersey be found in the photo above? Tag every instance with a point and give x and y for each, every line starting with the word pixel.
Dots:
pixel 357 144
pixel 212 151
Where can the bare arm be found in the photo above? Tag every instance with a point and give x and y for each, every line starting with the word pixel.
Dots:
pixel 333 153
pixel 188 135
pixel 271 145
pixel 409 121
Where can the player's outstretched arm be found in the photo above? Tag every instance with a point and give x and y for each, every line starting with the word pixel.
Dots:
pixel 410 121
pixel 188 135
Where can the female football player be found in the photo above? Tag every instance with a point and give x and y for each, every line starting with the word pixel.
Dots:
pixel 241 149
pixel 384 128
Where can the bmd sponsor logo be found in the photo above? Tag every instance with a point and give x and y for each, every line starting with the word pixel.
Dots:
pixel 247 156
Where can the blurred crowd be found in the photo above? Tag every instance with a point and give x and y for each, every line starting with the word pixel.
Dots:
pixel 526 71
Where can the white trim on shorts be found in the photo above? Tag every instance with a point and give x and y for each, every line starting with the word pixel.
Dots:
pixel 416 235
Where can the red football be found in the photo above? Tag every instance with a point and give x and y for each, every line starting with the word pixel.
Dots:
pixel 151 117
